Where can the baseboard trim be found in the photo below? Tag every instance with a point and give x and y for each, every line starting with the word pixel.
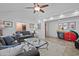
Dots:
pixel 51 37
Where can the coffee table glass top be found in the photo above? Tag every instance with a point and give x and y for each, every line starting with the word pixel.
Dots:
pixel 36 42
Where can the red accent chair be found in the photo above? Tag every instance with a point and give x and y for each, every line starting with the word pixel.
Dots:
pixel 70 36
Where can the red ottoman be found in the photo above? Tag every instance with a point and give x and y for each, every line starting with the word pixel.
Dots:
pixel 70 36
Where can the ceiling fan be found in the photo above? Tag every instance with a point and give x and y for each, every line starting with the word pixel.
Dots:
pixel 38 7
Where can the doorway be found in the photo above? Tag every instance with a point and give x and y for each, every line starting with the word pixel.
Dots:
pixel 46 29
pixel 20 26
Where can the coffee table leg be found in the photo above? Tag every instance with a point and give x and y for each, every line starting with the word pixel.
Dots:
pixel 43 45
pixel 47 45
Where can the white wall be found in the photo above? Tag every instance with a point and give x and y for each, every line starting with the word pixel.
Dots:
pixel 11 30
pixel 52 26
pixel 18 13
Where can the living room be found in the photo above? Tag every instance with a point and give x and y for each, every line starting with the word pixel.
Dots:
pixel 47 26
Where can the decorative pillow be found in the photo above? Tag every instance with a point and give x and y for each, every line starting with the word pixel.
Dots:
pixel 0 44
pixel 2 41
pixel 8 40
pixel 15 42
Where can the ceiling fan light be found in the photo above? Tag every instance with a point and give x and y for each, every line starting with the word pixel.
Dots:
pixel 51 18
pixel 37 8
pixel 61 16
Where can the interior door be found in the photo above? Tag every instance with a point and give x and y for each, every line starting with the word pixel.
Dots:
pixel 23 27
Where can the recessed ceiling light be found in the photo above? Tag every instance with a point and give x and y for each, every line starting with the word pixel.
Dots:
pixel 61 16
pixel 76 13
pixel 44 19
pixel 51 18
pixel 39 21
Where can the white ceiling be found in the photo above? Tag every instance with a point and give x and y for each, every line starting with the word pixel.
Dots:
pixel 17 10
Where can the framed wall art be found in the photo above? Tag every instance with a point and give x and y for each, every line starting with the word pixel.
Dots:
pixel 31 25
pixel 39 26
pixel 65 26
pixel 8 23
pixel 72 25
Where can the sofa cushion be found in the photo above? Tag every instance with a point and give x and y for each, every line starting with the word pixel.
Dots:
pixel 26 33
pixel 0 44
pixel 2 41
pixel 8 40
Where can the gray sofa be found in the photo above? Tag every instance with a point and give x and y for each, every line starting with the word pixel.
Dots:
pixel 28 34
pixel 10 47
pixel 21 35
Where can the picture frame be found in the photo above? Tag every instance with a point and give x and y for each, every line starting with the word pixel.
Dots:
pixel 39 26
pixel 8 23
pixel 72 25
pixel 31 25
pixel 65 25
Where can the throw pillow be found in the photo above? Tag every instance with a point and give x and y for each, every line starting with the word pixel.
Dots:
pixel 8 40
pixel 0 44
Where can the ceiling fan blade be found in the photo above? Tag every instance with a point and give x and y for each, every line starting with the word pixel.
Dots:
pixel 34 11
pixel 34 3
pixel 37 4
pixel 29 7
pixel 41 10
pixel 43 6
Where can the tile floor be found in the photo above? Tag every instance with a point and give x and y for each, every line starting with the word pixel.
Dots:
pixel 59 47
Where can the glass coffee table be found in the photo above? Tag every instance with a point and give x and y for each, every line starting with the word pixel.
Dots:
pixel 36 42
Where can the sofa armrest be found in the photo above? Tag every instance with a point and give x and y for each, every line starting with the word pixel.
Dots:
pixel 8 46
